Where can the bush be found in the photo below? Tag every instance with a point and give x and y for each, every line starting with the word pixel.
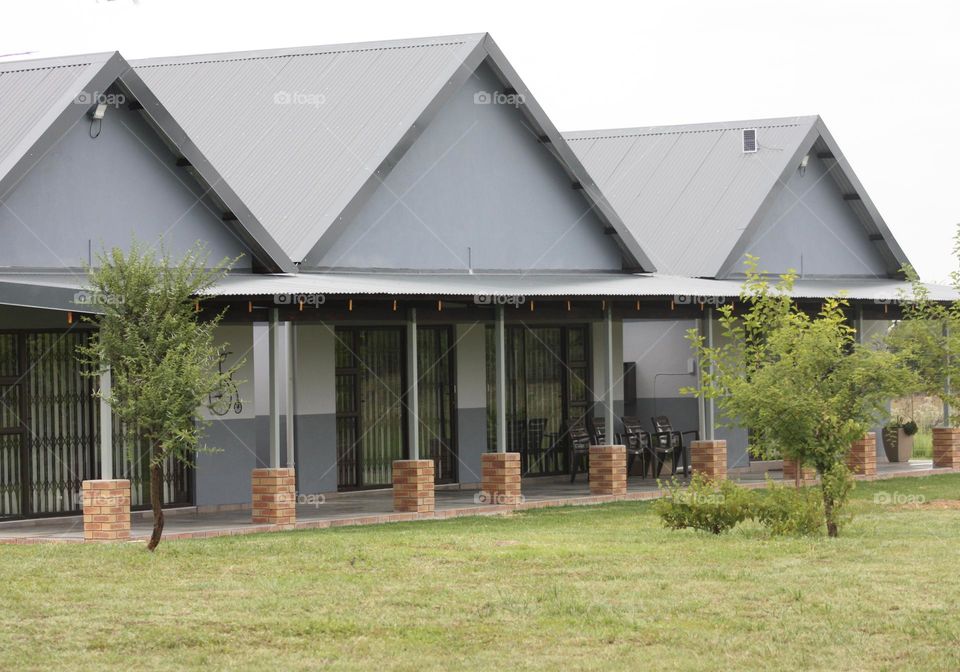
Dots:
pixel 786 510
pixel 705 505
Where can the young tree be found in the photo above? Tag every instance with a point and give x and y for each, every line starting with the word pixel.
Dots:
pixel 928 339
pixel 801 384
pixel 162 357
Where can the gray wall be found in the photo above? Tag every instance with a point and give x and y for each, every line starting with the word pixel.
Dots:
pixel 662 353
pixel 811 229
pixel 471 400
pixel 477 177
pixel 223 477
pixel 316 427
pixel 99 192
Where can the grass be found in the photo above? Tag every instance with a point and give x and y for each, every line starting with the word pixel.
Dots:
pixel 585 588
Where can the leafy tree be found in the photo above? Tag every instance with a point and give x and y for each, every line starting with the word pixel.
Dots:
pixel 161 355
pixel 800 383
pixel 928 339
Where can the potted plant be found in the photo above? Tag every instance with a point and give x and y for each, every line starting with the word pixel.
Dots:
pixel 898 440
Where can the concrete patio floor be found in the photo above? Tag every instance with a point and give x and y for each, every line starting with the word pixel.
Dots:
pixel 376 506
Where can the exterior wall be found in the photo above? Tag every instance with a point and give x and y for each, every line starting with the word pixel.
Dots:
pixel 315 420
pixel 818 236
pixel 662 355
pixel 223 477
pixel 14 317
pixel 88 194
pixel 471 400
pixel 477 179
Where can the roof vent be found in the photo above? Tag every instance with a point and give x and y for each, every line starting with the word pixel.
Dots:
pixel 749 140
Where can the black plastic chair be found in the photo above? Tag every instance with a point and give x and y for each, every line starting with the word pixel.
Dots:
pixel 579 446
pixel 668 441
pixel 598 431
pixel 638 444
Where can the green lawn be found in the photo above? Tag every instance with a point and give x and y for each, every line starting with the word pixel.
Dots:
pixel 571 588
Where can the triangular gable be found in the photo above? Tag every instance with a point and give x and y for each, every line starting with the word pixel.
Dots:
pixel 695 200
pixel 477 190
pixel 855 240
pixel 42 98
pixel 304 136
pixel 45 99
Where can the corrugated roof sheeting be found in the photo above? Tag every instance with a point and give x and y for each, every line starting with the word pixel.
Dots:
pixel 346 107
pixel 687 192
pixel 547 285
pixel 28 91
pixel 27 285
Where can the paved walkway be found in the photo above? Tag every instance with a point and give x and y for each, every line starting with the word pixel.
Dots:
pixel 374 507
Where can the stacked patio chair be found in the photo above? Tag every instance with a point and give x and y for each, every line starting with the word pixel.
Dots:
pixel 579 442
pixel 638 444
pixel 668 441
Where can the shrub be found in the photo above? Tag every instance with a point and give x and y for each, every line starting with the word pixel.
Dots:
pixel 785 510
pixel 706 505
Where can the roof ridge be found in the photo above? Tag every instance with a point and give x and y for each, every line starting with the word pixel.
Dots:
pixel 638 132
pixel 306 50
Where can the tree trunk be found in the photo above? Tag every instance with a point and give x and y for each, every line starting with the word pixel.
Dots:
pixel 156 502
pixel 832 530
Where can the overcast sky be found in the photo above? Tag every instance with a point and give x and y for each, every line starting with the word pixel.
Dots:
pixel 885 76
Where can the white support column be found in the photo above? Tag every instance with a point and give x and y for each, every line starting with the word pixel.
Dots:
pixel 273 391
pixel 500 338
pixel 291 366
pixel 106 428
pixel 413 397
pixel 608 413
pixel 701 402
pixel 711 418
pixel 946 388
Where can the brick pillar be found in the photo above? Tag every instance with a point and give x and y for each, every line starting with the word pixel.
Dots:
pixel 709 458
pixel 275 496
pixel 946 447
pixel 413 486
pixel 790 472
pixel 500 478
pixel 862 458
pixel 106 510
pixel 608 470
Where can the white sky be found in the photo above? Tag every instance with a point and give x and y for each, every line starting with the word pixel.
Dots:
pixel 885 76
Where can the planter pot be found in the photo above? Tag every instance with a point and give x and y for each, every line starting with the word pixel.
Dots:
pixel 897 444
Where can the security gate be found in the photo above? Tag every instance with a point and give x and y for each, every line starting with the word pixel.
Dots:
pixel 548 389
pixel 50 430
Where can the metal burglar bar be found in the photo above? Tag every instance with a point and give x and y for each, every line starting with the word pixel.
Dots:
pixel 437 401
pixel 548 380
pixel 50 428
pixel 370 418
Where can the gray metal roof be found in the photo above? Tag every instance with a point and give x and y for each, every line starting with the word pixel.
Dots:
pixel 64 291
pixel 689 193
pixel 301 136
pixel 545 285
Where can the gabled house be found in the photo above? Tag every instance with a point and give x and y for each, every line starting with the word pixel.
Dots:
pixel 426 267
